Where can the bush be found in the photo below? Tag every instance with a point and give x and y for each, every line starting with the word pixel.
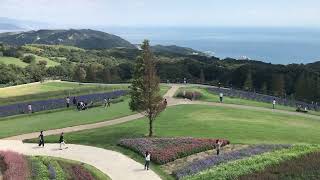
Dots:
pixel 164 150
pixel 29 59
pixel 38 169
pixel 16 165
pixel 235 169
pixel 191 95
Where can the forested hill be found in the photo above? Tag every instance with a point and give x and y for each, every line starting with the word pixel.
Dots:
pixel 83 38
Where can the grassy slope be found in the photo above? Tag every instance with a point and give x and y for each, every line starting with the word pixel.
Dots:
pixel 11 60
pixel 58 119
pixel 210 97
pixel 248 127
pixel 50 63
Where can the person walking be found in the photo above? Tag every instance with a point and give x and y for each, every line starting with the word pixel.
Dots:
pixel 273 103
pixel 109 102
pixel 61 141
pixel 147 159
pixel 218 146
pixel 74 101
pixel 68 102
pixel 41 139
pixel 105 102
pixel 29 108
pixel 221 97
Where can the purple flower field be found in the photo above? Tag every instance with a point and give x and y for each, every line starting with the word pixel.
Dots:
pixel 164 150
pixel 44 105
pixel 209 162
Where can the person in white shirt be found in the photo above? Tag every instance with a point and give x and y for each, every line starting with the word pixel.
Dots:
pixel 147 159
pixel 273 103
pixel 29 108
pixel 218 146
pixel 221 97
pixel 68 102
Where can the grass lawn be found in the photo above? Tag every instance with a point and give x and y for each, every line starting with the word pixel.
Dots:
pixel 59 119
pixel 12 60
pixel 55 119
pixel 47 90
pixel 238 126
pixel 211 97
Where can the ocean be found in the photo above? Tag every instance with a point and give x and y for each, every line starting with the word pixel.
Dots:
pixel 274 45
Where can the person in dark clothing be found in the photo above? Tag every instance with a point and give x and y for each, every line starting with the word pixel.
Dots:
pixel 74 101
pixel 109 102
pixel 41 139
pixel 218 146
pixel 61 141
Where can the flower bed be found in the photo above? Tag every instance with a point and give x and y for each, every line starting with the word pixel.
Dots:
pixel 164 150
pixel 16 165
pixel 209 162
pixel 235 169
pixel 50 104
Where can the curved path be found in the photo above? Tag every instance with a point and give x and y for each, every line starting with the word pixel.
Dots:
pixel 171 102
pixel 116 165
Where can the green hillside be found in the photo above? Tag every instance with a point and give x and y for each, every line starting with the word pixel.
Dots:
pixel 12 60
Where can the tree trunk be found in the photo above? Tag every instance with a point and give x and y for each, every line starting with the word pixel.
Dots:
pixel 150 127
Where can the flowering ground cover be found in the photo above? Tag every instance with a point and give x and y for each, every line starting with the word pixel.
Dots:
pixel 165 150
pixel 304 167
pixel 19 167
pixel 212 161
pixel 232 170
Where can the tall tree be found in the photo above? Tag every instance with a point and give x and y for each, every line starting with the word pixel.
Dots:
pixel 145 90
pixel 278 86
pixel 80 73
pixel 247 85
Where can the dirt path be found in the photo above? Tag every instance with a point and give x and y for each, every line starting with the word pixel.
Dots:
pixel 116 165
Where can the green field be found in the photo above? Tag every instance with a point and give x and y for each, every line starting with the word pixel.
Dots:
pixel 50 63
pixel 59 119
pixel 47 90
pixel 211 97
pixel 236 125
pixel 12 60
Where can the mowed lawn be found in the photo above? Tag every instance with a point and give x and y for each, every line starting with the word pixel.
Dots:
pixel 236 125
pixel 42 88
pixel 211 97
pixel 60 119
pixel 12 60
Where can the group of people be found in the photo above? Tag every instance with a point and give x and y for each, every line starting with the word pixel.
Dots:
pixel 61 140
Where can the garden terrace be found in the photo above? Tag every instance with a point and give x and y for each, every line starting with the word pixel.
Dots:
pixel 165 150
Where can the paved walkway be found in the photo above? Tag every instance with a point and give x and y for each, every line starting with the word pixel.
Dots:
pixel 116 165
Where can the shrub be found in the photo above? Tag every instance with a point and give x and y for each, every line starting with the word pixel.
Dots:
pixel 234 169
pixel 16 165
pixel 209 162
pixel 191 95
pixel 54 168
pixel 80 173
pixel 164 150
pixel 38 169
pixel 29 59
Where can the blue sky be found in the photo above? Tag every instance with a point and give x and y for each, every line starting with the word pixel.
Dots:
pixel 303 13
